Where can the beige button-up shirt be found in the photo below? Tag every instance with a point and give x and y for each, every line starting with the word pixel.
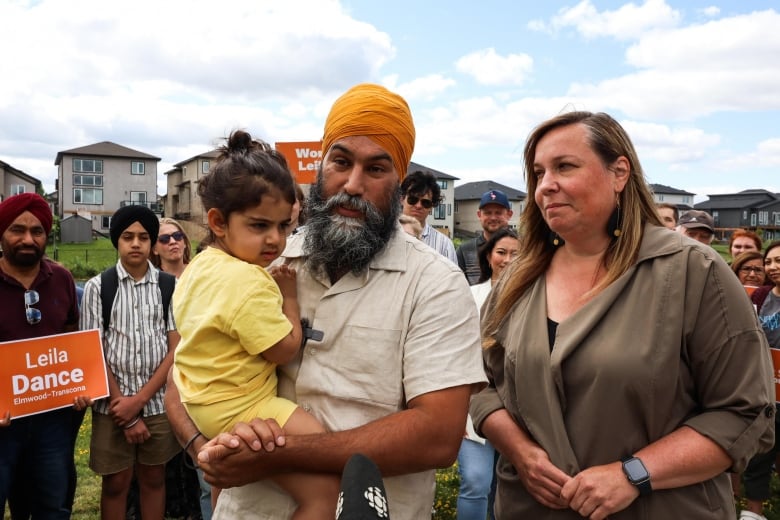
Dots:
pixel 404 327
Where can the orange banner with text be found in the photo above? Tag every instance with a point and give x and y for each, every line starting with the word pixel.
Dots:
pixel 776 364
pixel 42 374
pixel 303 158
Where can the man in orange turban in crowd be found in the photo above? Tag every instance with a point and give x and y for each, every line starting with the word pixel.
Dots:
pixel 381 369
pixel 37 473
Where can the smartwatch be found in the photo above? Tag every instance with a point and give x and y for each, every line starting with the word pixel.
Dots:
pixel 637 474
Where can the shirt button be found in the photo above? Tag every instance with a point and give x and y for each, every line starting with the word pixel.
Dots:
pixel 306 407
pixel 312 351
pixel 769 411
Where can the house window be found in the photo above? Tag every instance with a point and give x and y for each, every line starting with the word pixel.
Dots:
pixel 440 212
pixel 442 184
pixel 686 199
pixel 88 165
pixel 138 197
pixel 87 180
pixel 449 209
pixel 16 189
pixel 204 166
pixel 763 218
pixel 137 167
pixel 105 222
pixel 752 219
pixel 776 216
pixel 660 198
pixel 87 196
pixel 744 215
pixel 716 218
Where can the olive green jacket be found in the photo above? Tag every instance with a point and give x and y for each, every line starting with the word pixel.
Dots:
pixel 674 341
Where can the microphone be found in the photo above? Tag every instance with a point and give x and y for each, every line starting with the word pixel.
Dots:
pixel 362 495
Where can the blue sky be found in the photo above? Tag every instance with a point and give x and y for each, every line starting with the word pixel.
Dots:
pixel 696 84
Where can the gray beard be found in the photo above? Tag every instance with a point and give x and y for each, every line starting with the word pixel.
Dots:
pixel 335 244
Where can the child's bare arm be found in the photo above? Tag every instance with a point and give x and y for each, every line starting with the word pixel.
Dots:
pixel 283 351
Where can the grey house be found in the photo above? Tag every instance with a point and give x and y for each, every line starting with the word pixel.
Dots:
pixel 14 181
pixel 681 198
pixel 748 209
pixel 96 180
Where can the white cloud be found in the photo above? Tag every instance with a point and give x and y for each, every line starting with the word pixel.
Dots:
pixel 711 11
pixel 628 22
pixel 670 145
pixel 425 88
pixel 489 68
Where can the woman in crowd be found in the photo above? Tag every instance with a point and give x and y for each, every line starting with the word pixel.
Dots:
pixel 758 474
pixel 172 251
pixel 476 455
pixel 743 240
pixel 749 268
pixel 614 372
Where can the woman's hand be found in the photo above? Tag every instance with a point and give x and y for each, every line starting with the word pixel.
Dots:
pixel 541 478
pixel 599 491
pixel 5 420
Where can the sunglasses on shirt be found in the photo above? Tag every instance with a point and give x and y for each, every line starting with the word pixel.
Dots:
pixel 33 315
pixel 164 239
pixel 412 200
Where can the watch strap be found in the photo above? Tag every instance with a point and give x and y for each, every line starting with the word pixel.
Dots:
pixel 643 484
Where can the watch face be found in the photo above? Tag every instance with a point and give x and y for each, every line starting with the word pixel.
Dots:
pixel 635 470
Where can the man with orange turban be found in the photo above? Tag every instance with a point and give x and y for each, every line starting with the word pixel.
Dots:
pixel 37 474
pixel 382 369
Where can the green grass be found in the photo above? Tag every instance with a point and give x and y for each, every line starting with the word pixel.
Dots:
pixel 84 260
pixel 87 503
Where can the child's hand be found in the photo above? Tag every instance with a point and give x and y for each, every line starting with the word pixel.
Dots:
pixel 137 433
pixel 125 409
pixel 81 402
pixel 285 278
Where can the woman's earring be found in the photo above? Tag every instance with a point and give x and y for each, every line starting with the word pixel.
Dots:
pixel 613 226
pixel 555 239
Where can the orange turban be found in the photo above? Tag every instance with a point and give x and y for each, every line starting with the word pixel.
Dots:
pixel 374 112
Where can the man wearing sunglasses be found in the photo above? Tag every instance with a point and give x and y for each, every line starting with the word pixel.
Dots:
pixel 37 473
pixel 494 213
pixel 420 193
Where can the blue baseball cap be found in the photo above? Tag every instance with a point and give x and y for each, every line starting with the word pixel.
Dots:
pixel 494 197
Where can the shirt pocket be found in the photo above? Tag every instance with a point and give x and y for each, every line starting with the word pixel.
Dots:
pixel 370 360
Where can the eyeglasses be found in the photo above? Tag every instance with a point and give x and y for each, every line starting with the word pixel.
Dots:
pixel 748 269
pixel 164 239
pixel 412 201
pixel 33 314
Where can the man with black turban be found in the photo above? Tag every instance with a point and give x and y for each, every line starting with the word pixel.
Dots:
pixel 393 352
pixel 39 299
pixel 130 431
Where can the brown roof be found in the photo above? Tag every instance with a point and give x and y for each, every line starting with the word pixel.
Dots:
pixel 213 154
pixel 105 149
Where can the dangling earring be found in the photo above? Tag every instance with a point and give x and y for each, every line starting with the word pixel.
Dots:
pixel 613 225
pixel 556 239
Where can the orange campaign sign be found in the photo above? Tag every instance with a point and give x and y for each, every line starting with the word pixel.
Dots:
pixel 303 158
pixel 46 373
pixel 776 365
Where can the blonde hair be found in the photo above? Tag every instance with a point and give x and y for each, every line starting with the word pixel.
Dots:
pixel 155 258
pixel 609 141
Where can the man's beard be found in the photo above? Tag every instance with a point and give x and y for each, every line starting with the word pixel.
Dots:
pixel 336 244
pixel 28 258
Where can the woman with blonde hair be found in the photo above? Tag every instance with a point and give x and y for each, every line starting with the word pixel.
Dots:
pixel 623 359
pixel 172 251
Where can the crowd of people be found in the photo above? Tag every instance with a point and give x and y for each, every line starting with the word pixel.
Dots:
pixel 595 359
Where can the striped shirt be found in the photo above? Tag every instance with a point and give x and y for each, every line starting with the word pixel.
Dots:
pixel 136 342
pixel 439 242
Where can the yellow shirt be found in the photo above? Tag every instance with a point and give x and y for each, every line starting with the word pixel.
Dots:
pixel 227 311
